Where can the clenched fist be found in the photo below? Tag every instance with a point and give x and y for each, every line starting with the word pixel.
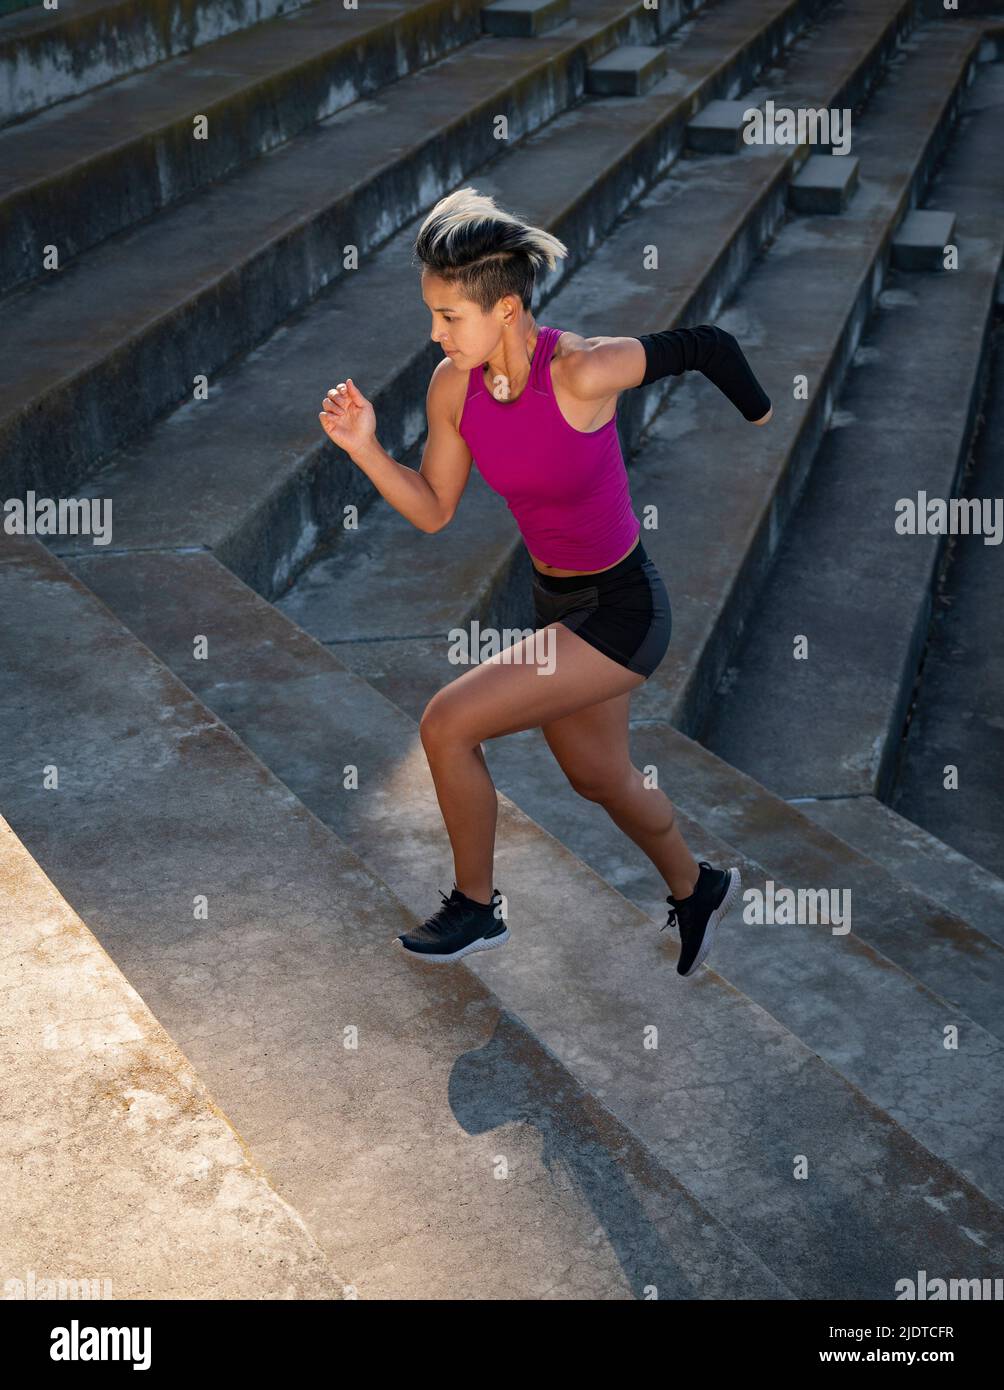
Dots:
pixel 348 418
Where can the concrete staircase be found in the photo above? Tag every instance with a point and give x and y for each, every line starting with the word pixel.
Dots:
pixel 208 792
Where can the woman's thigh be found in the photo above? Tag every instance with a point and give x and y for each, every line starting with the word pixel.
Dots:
pixel 592 746
pixel 507 694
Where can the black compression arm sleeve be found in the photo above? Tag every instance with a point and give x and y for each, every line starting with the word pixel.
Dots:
pixel 713 352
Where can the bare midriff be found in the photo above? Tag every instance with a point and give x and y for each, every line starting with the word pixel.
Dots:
pixel 568 574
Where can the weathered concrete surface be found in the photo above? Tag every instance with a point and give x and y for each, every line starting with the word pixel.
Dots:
pixel 845 578
pixel 117 1165
pixel 915 856
pixel 433 1146
pixel 958 717
pixel 48 55
pixel 730 1094
pixel 107 160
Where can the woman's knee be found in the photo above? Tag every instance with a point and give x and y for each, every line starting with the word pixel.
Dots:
pixel 433 723
pixel 604 785
pixel 440 723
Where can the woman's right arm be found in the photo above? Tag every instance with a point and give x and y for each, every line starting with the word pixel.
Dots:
pixel 429 496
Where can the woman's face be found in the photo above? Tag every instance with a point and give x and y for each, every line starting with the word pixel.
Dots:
pixel 465 334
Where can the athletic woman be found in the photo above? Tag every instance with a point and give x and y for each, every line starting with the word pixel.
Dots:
pixel 535 408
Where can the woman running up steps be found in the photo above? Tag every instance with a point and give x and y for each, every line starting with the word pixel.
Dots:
pixel 534 407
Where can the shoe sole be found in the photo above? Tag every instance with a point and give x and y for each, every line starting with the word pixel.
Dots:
pixel 483 943
pixel 731 893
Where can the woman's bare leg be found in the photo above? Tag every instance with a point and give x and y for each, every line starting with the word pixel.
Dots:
pixel 503 697
pixel 592 747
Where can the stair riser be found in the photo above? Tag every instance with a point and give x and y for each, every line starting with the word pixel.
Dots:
pixel 893 747
pixel 64 60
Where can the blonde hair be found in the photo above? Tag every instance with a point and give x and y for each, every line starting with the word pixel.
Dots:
pixel 469 241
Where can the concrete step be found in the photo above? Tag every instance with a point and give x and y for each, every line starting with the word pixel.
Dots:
pixel 845 580
pixel 955 718
pixel 269 491
pixel 122 1176
pixel 209 279
pixel 915 856
pixel 111 159
pixel 736 1084
pixel 433 1146
pixel 48 55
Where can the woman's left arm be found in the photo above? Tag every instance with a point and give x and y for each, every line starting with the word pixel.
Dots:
pixel 608 365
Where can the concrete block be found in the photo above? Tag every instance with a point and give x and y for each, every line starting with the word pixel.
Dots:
pixel 718 128
pixel 524 19
pixel 921 240
pixel 628 71
pixel 824 183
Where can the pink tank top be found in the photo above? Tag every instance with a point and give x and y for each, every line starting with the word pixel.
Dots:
pixel 567 488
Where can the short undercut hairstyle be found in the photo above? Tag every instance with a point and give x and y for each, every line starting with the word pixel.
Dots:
pixel 485 251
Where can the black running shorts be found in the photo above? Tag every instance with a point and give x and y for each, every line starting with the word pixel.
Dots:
pixel 623 612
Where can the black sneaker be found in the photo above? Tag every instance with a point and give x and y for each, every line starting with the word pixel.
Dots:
pixel 697 917
pixel 458 927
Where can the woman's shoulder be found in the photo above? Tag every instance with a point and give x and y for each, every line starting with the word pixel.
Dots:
pixel 568 342
pixel 570 353
pixel 566 345
pixel 448 389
